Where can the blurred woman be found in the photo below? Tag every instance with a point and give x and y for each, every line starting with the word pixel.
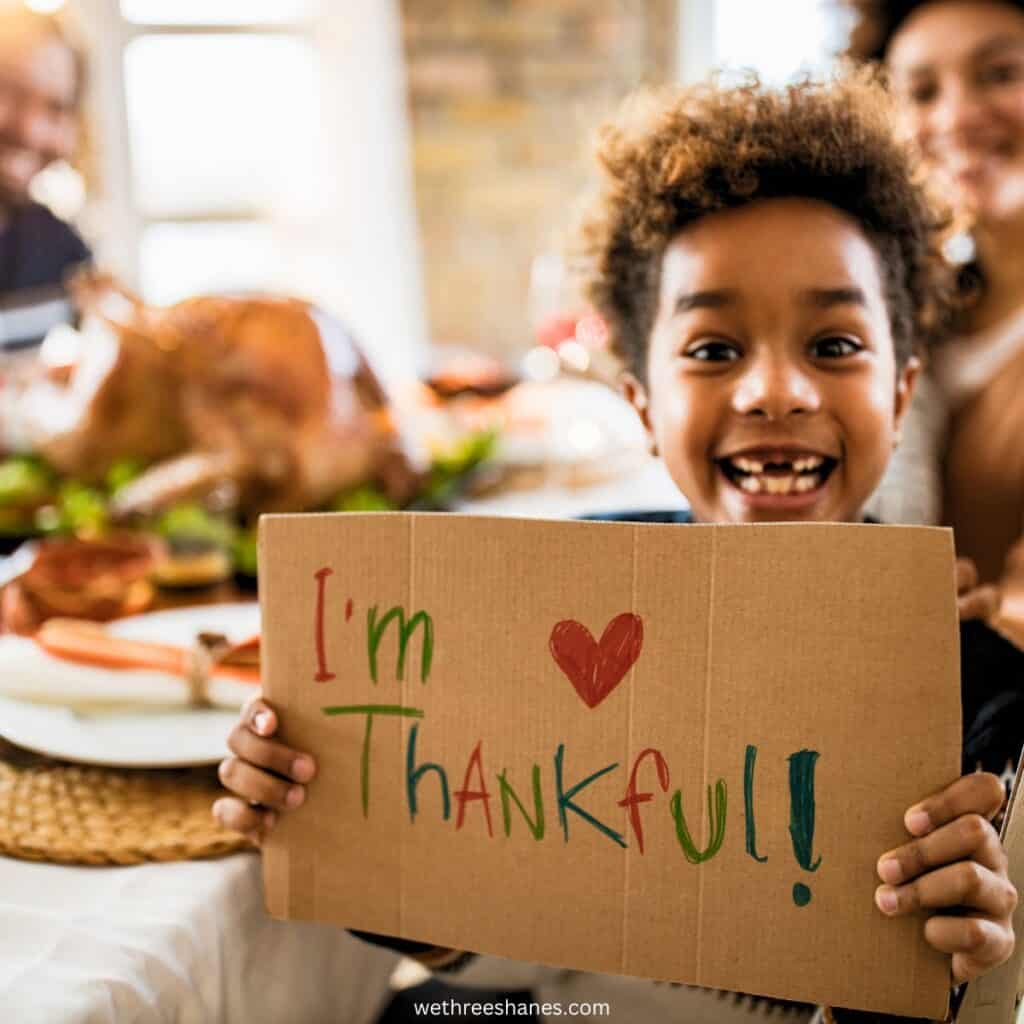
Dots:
pixel 956 68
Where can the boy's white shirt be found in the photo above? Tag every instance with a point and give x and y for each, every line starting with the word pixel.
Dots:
pixel 911 490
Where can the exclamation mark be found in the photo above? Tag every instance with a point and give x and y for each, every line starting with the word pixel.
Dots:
pixel 801 817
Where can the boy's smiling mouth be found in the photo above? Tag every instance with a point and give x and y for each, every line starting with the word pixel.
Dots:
pixel 777 473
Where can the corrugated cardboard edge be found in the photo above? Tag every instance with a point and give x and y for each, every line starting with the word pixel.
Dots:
pixel 992 999
pixel 627 860
pixel 708 671
pixel 276 862
pixel 403 835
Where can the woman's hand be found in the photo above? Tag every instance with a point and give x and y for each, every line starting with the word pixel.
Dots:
pixel 265 775
pixel 956 866
pixel 973 601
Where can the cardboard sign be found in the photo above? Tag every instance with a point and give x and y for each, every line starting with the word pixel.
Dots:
pixel 665 751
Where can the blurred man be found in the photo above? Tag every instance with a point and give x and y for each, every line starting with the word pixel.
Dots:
pixel 41 80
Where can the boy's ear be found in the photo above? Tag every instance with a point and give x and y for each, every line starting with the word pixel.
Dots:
pixel 636 394
pixel 906 381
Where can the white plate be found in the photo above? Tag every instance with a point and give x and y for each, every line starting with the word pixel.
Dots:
pixel 137 737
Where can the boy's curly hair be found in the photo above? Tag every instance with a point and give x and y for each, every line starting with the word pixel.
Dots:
pixel 877 21
pixel 675 155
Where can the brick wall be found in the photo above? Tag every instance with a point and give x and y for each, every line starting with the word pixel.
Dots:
pixel 504 95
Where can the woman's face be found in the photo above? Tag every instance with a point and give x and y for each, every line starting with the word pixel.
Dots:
pixel 957 70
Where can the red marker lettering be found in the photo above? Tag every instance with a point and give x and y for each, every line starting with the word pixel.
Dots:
pixel 322 675
pixel 632 797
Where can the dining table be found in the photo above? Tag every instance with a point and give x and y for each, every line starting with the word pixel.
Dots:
pixel 190 941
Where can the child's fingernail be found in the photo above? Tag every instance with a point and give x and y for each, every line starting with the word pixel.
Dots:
pixel 918 823
pixel 218 806
pixel 269 820
pixel 303 769
pixel 295 796
pixel 886 899
pixel 890 870
pixel 261 722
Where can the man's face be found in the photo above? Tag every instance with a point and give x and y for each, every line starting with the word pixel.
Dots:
pixel 38 120
pixel 772 391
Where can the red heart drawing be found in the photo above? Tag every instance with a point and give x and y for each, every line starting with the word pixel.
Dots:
pixel 596 668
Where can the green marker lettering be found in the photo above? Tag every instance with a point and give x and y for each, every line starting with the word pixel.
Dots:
pixel 716 815
pixel 370 710
pixel 375 633
pixel 508 793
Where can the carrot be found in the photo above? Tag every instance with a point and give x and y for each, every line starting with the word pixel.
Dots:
pixel 89 643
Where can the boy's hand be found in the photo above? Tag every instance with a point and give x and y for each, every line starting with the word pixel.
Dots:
pixel 974 602
pixel 266 775
pixel 956 866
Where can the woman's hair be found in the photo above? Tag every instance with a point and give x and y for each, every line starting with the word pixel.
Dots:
pixel 675 155
pixel 877 21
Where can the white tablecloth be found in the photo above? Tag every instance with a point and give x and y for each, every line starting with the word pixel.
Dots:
pixel 184 942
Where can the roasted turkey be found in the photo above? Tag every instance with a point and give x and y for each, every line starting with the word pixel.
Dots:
pixel 259 403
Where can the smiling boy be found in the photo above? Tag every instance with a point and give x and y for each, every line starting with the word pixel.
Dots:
pixel 763 262
pixel 772 392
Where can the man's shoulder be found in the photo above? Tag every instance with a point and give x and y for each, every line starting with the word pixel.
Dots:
pixel 44 224
pixel 41 250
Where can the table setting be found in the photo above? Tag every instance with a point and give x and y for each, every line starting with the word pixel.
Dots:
pixel 129 621
pixel 120 895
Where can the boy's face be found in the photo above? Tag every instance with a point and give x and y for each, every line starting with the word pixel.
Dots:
pixel 772 392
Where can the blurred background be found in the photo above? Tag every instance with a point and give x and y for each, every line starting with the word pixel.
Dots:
pixel 409 164
pixel 410 167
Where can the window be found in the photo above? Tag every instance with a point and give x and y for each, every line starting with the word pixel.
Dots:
pixel 778 45
pixel 260 145
pixel 217 12
pixel 223 124
pixel 222 107
pixel 778 41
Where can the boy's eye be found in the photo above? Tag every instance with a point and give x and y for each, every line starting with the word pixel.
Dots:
pixel 714 351
pixel 1000 74
pixel 835 347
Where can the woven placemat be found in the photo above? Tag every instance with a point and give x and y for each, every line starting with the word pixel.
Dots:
pixel 72 814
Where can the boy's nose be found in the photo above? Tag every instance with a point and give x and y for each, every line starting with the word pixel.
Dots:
pixel 775 389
